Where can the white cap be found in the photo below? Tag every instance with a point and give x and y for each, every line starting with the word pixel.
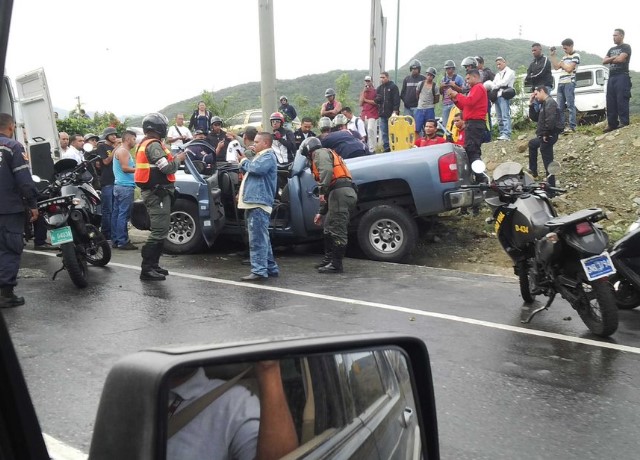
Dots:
pixel 367 78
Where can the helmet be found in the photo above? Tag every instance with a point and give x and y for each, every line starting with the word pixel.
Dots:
pixel 469 61
pixel 330 92
pixel 216 119
pixel 309 145
pixel 340 120
pixel 449 64
pixel 324 122
pixel 277 116
pixel 91 136
pixel 155 122
pixel 283 97
pixel 432 71
pixel 415 64
pixel 108 131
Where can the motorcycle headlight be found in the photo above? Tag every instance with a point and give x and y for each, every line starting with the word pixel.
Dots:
pixel 76 201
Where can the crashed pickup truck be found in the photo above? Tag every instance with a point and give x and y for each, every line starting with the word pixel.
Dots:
pixel 395 191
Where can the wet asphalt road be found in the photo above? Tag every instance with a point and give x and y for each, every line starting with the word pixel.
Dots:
pixel 501 392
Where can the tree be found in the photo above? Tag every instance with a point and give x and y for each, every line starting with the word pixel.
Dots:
pixel 343 84
pixel 217 108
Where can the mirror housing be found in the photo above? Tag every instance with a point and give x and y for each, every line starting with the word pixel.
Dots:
pixel 87 147
pixel 131 422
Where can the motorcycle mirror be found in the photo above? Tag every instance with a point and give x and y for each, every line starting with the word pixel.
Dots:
pixel 553 168
pixel 87 147
pixel 478 167
pixel 36 179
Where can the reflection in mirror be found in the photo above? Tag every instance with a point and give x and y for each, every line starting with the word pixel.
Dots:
pixel 87 147
pixel 348 405
pixel 553 168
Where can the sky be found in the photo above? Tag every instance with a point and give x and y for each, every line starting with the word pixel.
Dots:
pixel 137 56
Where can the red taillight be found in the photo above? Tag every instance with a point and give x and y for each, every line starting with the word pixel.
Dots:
pixel 584 228
pixel 53 208
pixel 448 168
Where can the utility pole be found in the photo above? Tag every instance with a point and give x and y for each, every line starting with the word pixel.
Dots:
pixel 397 40
pixel 267 62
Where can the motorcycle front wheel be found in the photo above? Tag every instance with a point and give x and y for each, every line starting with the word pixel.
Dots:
pixel 525 285
pixel 75 265
pixel 597 307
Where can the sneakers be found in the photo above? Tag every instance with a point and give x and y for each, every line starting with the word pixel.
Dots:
pixel 503 138
pixel 127 247
pixel 568 130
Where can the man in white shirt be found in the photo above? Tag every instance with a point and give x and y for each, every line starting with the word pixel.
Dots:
pixel 355 124
pixel 75 149
pixel 64 142
pixel 504 79
pixel 178 134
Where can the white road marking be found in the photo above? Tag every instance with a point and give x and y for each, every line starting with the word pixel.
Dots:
pixel 58 450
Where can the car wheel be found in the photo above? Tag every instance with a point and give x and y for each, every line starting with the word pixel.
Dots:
pixel 185 233
pixel 387 233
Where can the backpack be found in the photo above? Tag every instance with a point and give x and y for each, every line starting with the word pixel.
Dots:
pixel 436 96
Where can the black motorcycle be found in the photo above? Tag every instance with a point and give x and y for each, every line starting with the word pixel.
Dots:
pixel 71 210
pixel 626 258
pixel 552 254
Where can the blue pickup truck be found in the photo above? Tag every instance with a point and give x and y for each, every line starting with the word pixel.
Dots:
pixel 395 191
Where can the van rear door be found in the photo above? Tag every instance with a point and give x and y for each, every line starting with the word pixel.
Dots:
pixel 36 112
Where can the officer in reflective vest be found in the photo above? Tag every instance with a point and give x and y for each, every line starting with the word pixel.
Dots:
pixel 155 168
pixel 16 189
pixel 337 201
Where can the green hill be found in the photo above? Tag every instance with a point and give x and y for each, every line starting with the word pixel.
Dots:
pixel 306 93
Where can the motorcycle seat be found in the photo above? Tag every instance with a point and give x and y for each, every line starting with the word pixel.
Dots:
pixel 590 214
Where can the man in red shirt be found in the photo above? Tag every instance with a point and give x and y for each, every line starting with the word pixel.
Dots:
pixel 369 113
pixel 474 113
pixel 430 135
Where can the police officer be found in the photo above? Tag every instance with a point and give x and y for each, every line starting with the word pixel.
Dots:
pixel 337 201
pixel 16 189
pixel 155 168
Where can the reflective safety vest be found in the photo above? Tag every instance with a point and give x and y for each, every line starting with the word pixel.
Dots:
pixel 148 175
pixel 340 170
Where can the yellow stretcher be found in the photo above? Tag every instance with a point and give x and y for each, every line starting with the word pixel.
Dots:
pixel 402 132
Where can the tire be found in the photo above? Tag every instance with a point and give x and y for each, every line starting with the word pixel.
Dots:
pixel 75 265
pixel 523 277
pixel 387 233
pixel 185 234
pixel 627 297
pixel 597 307
pixel 98 252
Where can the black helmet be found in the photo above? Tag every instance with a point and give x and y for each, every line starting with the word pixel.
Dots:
pixel 449 64
pixel 155 122
pixel 216 119
pixel 309 145
pixel 415 64
pixel 108 131
pixel 431 70
pixel 469 61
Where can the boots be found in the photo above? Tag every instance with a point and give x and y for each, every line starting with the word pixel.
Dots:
pixel 8 299
pixel 328 252
pixel 148 259
pixel 335 266
pixel 156 259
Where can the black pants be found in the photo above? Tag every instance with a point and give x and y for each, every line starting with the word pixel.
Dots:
pixel 11 246
pixel 473 136
pixel 546 150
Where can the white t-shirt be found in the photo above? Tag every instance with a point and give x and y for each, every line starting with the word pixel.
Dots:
pixel 226 429
pixel 178 131
pixel 72 153
pixel 357 126
pixel 233 150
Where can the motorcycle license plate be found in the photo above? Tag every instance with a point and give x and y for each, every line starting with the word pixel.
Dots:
pixel 598 266
pixel 61 235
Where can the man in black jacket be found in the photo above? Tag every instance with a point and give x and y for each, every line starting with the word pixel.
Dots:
pixel 539 71
pixel 388 100
pixel 549 126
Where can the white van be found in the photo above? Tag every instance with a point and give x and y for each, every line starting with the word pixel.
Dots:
pixel 35 119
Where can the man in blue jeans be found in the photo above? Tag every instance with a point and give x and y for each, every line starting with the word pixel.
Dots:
pixel 123 192
pixel 619 84
pixel 388 100
pixel 105 169
pixel 257 192
pixel 567 81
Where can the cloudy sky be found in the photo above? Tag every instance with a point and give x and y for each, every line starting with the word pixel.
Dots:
pixel 136 56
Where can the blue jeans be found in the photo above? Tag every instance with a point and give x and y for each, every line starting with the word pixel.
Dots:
pixel 107 206
pixel 261 254
pixel 567 95
pixel 618 95
pixel 122 202
pixel 384 133
pixel 446 109
pixel 408 111
pixel 422 115
pixel 503 113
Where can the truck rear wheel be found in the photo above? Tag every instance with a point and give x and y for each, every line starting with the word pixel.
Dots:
pixel 387 233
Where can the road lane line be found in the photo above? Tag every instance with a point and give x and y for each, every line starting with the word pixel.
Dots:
pixel 58 450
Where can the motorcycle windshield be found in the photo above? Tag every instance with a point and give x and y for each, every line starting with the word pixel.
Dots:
pixel 509 168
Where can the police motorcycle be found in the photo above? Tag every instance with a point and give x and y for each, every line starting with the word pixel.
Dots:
pixel 71 210
pixel 626 258
pixel 552 254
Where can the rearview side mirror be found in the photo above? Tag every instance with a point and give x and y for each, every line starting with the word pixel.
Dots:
pixel 354 396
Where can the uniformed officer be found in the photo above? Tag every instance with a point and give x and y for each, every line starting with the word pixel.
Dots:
pixel 337 201
pixel 16 189
pixel 155 168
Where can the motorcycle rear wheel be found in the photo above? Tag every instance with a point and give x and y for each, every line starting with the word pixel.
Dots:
pixel 75 265
pixel 597 307
pixel 525 286
pixel 98 253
